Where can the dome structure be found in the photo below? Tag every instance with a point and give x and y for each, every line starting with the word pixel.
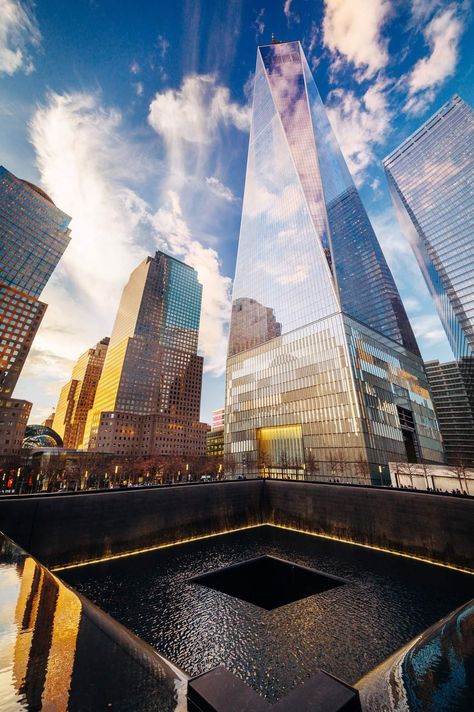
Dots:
pixel 41 436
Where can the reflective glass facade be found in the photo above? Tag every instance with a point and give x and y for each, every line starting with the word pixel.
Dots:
pixel 311 286
pixel 452 386
pixel 430 176
pixel 149 393
pixel 77 395
pixel 33 236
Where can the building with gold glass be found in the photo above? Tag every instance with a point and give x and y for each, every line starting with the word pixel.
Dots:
pixel 33 236
pixel 148 397
pixel 324 374
pixel 77 395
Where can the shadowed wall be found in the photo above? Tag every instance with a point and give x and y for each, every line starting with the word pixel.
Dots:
pixel 63 529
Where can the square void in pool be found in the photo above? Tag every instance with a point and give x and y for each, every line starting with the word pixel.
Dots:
pixel 268 582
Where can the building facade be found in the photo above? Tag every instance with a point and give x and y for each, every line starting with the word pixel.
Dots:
pixel 215 436
pixel 33 236
pixel 148 397
pixel 323 369
pixel 430 176
pixel 454 408
pixel 77 395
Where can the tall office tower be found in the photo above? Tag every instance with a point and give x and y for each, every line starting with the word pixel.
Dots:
pixel 33 236
pixel 322 366
pixel 454 410
pixel 77 395
pixel 430 176
pixel 148 398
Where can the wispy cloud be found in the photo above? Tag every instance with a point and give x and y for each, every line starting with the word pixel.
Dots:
pixel 189 119
pixel 353 32
pixel 135 67
pixel 19 32
pixel 174 236
pixel 139 88
pixel 259 25
pixel 291 16
pixel 360 124
pixel 221 190
pixel 442 35
pixel 192 122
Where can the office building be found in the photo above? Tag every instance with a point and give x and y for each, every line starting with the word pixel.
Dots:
pixel 148 398
pixel 215 436
pixel 33 236
pixel 323 370
pixel 77 395
pixel 430 176
pixel 454 409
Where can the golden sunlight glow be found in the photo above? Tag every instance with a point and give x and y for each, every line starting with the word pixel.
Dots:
pixel 331 537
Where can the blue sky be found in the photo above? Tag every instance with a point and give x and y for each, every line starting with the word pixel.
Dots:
pixel 134 118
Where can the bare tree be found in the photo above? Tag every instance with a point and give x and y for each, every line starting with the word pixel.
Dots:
pixel 362 469
pixel 460 471
pixel 264 459
pixel 284 463
pixel 426 472
pixel 230 464
pixel 311 465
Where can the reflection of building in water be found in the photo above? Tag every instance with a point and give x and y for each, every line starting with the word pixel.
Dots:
pixel 251 324
pixel 338 380
pixel 65 652
pixel 148 397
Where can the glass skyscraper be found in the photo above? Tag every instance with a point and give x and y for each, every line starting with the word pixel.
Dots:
pixel 33 236
pixel 430 176
pixel 323 366
pixel 148 397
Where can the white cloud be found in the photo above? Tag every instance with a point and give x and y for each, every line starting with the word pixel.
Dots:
pixel 83 162
pixel 18 30
pixel 192 122
pixel 291 16
pixel 259 25
pixel 221 190
pixel 194 112
pixel 139 88
pixel 352 31
pixel 163 46
pixel 428 329
pixel 442 35
pixel 360 124
pixel 83 156
pixel 135 67
pixel 174 236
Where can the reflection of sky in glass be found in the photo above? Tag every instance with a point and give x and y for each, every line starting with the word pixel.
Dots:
pixel 303 218
pixel 430 178
pixel 281 263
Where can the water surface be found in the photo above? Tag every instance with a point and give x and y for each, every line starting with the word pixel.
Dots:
pixel 346 630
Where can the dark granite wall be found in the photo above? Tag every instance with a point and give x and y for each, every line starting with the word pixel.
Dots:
pixel 62 529
pixel 67 528
pixel 432 526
